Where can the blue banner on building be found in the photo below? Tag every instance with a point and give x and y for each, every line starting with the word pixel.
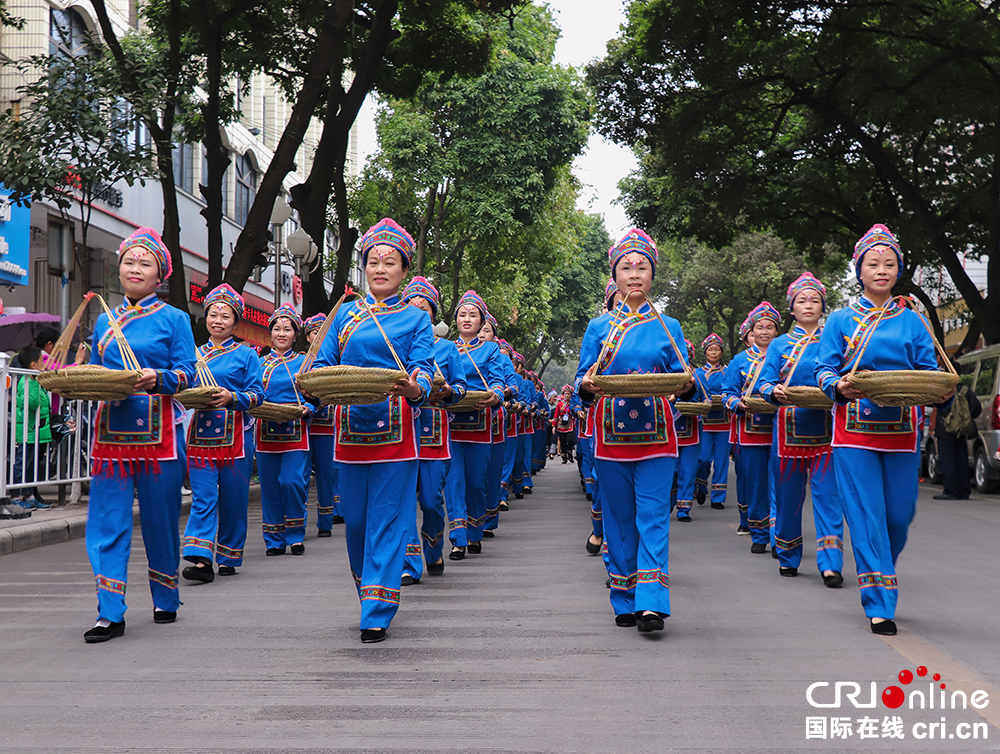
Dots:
pixel 15 239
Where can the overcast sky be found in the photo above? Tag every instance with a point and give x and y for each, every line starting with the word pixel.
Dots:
pixel 586 26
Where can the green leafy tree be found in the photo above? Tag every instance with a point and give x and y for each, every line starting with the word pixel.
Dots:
pixel 816 119
pixel 72 141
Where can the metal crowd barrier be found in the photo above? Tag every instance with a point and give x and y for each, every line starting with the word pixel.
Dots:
pixel 25 465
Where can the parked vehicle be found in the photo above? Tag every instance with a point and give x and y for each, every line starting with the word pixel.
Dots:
pixel 980 371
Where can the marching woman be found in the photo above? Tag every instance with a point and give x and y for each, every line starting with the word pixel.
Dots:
pixel 526 433
pixel 802 441
pixel 321 436
pixel 714 426
pixel 746 338
pixel 507 448
pixel 689 451
pixel 377 445
pixel 635 444
pixel 565 423
pixel 754 430
pixel 435 444
pixel 283 450
pixel 138 445
pixel 220 446
pixel 538 423
pixel 472 435
pixel 875 454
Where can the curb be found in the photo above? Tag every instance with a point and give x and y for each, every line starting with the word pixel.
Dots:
pixel 32 534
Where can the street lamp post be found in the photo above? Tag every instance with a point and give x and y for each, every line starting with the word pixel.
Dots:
pixel 279 216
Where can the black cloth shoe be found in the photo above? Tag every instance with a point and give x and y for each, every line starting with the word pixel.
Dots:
pixel 590 495
pixel 408 580
pixel 457 554
pixel 475 547
pixel 372 635
pixel 504 506
pixel 519 495
pixel 625 620
pixel 649 622
pixel 608 583
pixel 774 553
pixel 592 548
pixel 719 506
pixel 227 570
pixel 324 533
pixel 784 571
pixel 743 530
pixel 163 616
pixel 99 634
pixel 275 551
pixel 337 520
pixel 834 581
pixel 299 549
pixel 435 569
pixel 203 573
pixel 758 548
pixel 488 533
pixel 700 497
pixel 529 490
pixel 945 496
pixel 685 519
pixel 885 628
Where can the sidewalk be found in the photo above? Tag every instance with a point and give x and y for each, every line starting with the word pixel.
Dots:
pixel 62 523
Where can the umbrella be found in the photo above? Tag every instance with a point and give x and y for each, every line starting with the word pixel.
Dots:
pixel 19 330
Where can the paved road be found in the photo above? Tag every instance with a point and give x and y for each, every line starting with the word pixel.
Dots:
pixel 512 650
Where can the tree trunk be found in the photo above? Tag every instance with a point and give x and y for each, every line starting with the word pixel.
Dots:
pixel 217 158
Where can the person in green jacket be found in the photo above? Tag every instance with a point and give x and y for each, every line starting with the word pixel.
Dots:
pixel 30 426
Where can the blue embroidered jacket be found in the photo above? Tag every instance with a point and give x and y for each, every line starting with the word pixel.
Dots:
pixel 712 380
pixel 236 367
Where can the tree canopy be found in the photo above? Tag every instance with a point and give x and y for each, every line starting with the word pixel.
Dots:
pixel 816 119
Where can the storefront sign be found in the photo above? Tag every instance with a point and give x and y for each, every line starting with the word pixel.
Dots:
pixel 15 238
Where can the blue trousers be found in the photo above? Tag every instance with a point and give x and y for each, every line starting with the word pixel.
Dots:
pixel 585 449
pixel 466 491
pixel 109 533
pixel 597 519
pixel 714 460
pixel 431 477
pixel 637 532
pixel 327 494
pixel 755 466
pixel 772 494
pixel 828 513
pixel 283 496
pixel 879 491
pixel 687 471
pixel 517 474
pixel 378 519
pixel 507 472
pixel 497 453
pixel 741 485
pixel 538 450
pixel 526 444
pixel 217 524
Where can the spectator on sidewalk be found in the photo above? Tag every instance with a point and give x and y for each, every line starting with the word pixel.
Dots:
pixel 31 426
pixel 952 428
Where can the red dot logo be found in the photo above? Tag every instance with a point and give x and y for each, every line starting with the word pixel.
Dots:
pixel 921 671
pixel 905 676
pixel 937 676
pixel 942 685
pixel 893 697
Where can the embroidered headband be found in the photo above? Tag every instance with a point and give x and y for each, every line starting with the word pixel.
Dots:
pixel 312 323
pixel 471 298
pixel 609 290
pixel 421 286
pixel 715 340
pixel 389 233
pixel 285 310
pixel 806 281
pixel 518 358
pixel 877 235
pixel 634 241
pixel 505 347
pixel 493 322
pixel 745 330
pixel 763 311
pixel 147 241
pixel 225 294
pixel 690 347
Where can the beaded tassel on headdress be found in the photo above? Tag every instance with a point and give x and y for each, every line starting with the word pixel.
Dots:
pixel 806 281
pixel 315 322
pixel 877 235
pixel 387 232
pixel 225 294
pixel 147 240
pixel 714 340
pixel 634 241
pixel 285 310
pixel 421 286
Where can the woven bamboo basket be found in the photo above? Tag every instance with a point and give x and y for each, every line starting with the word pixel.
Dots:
pixel 197 397
pixel 693 408
pixel 805 396
pixel 439 381
pixel 717 402
pixel 760 406
pixel 349 385
pixel 642 385
pixel 470 401
pixel 90 382
pixel 277 412
pixel 904 387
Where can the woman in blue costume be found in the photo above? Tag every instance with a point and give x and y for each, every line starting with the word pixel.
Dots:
pixel 689 444
pixel 875 454
pixel 378 446
pixel 526 433
pixel 635 443
pixel 435 444
pixel 714 456
pixel 321 438
pixel 220 445
pixel 283 450
pixel 754 431
pixel 802 441
pixel 503 420
pixel 138 445
pixel 472 434
pixel 508 448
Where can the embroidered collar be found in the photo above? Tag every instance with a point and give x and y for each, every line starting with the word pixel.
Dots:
pixel 712 369
pixel 144 304
pixel 388 303
pixel 472 345
pixel 210 350
pixel 274 357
